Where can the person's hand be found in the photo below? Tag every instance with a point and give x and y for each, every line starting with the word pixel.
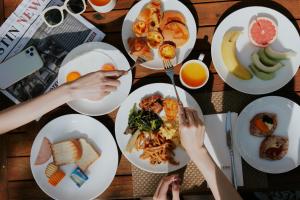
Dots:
pixel 164 185
pixel 95 85
pixel 191 130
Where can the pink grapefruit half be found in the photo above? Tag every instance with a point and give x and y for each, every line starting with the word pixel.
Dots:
pixel 262 31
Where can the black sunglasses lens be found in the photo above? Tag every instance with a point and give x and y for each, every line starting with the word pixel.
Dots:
pixel 75 6
pixel 53 17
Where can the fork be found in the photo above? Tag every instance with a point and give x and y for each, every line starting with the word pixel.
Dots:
pixel 138 61
pixel 169 69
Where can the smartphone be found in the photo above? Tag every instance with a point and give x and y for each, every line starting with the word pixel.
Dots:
pixel 18 67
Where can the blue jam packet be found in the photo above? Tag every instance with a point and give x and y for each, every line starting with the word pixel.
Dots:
pixel 78 176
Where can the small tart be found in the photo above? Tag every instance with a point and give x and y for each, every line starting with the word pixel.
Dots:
pixel 167 50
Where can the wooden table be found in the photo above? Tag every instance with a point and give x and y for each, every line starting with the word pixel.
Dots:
pixel 16 180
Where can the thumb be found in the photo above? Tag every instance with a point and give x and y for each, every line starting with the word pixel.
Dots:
pixel 175 191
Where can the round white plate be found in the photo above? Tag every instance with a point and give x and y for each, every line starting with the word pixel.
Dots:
pixel 90 57
pixel 286 40
pixel 182 52
pixel 122 121
pixel 288 115
pixel 100 173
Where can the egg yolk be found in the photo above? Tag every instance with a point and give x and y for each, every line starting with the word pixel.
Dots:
pixel 72 76
pixel 108 67
pixel 194 75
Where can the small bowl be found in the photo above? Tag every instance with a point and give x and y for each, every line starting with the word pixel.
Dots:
pixel 202 64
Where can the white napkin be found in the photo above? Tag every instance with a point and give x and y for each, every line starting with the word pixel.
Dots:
pixel 215 142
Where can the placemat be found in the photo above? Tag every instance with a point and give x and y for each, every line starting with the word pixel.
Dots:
pixel 145 183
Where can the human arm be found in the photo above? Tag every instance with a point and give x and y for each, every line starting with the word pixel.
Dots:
pixel 93 86
pixel 192 138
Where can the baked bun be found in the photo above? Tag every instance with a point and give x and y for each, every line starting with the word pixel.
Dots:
pixel 167 50
pixel 274 147
pixel 176 32
pixel 138 47
pixel 263 124
pixel 171 16
pixel 144 15
pixel 140 28
pixel 66 152
pixel 154 39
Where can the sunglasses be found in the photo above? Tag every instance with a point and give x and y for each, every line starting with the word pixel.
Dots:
pixel 54 15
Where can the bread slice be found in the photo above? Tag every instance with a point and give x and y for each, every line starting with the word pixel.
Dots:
pixel 89 155
pixel 66 152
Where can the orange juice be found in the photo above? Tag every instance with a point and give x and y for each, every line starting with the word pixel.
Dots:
pixel 193 74
pixel 99 2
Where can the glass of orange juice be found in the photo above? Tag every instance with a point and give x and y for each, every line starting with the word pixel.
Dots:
pixel 103 6
pixel 194 74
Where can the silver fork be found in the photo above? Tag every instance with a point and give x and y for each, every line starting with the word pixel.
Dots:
pixel 138 61
pixel 169 69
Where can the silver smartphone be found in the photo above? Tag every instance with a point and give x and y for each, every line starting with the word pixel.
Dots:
pixel 18 67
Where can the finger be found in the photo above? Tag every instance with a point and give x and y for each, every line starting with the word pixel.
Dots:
pixel 190 117
pixel 175 191
pixel 165 185
pixel 109 88
pixel 113 73
pixel 182 116
pixel 196 117
pixel 112 82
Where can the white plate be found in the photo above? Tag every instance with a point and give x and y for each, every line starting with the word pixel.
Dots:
pixel 100 173
pixel 89 57
pixel 288 115
pixel 182 52
pixel 122 121
pixel 285 40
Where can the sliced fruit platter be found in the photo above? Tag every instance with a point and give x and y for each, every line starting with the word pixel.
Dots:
pixel 256 55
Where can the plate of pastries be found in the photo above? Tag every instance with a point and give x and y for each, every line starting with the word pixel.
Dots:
pixel 266 134
pixel 158 30
pixel 74 157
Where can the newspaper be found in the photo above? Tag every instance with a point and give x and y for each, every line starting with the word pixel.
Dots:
pixel 24 28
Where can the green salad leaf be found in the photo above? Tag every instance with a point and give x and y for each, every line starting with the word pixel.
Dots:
pixel 142 120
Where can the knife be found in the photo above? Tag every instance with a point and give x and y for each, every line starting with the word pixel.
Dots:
pixel 228 130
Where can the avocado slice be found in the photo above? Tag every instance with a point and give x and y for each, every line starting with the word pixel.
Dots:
pixel 262 75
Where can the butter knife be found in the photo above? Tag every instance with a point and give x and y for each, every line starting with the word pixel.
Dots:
pixel 228 128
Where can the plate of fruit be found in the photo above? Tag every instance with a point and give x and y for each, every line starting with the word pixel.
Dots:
pixel 256 54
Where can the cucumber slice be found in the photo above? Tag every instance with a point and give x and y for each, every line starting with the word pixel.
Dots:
pixel 278 55
pixel 262 75
pixel 268 69
pixel 265 59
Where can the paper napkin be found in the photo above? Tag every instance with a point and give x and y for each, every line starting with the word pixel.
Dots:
pixel 215 142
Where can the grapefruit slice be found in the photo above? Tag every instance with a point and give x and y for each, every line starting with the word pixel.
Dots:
pixel 262 31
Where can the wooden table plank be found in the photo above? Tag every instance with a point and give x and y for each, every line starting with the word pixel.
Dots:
pixel 3 168
pixel 2 15
pixel 120 187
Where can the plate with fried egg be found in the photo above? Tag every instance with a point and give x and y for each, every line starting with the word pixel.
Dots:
pixel 91 57
pixel 151 26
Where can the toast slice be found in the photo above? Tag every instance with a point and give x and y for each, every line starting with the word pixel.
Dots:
pixel 89 155
pixel 66 152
